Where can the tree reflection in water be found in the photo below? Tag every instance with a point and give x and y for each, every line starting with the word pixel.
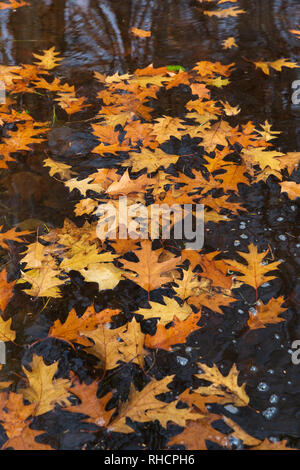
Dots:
pixel 96 35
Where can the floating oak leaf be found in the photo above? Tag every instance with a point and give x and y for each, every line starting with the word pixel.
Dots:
pixel 149 272
pixel 91 406
pixel 143 407
pixel 49 59
pixel 255 272
pixel 266 314
pixel 43 390
pixel 16 417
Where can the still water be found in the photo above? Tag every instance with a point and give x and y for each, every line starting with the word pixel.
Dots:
pixel 95 35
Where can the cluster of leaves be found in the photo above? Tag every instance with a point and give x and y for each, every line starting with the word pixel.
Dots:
pixel 228 157
pixel 12 4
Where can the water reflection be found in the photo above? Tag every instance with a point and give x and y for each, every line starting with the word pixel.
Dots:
pixel 96 35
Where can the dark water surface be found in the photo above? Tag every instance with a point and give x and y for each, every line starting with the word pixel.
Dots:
pixel 95 35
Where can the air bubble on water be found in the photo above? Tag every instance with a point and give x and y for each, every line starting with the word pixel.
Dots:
pixel 220 330
pixel 262 387
pixel 289 382
pixel 234 341
pixel 237 242
pixel 242 225
pixel 107 326
pixel 264 263
pixel 100 422
pixel 269 413
pixel 293 208
pixel 182 360
pixel 265 284
pixel 253 310
pixel 282 237
pixel 240 311
pixel 277 336
pixel 231 409
pixel 271 371
pixel 253 369
pixel 274 399
pixel 188 349
pixel 234 441
pixel 298 245
pixel 280 219
pixel 244 236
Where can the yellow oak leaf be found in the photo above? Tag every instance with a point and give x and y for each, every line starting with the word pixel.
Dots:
pixel 255 273
pixel 143 406
pixel 226 388
pixel 165 313
pixel 6 333
pixel 43 390
pixel 49 59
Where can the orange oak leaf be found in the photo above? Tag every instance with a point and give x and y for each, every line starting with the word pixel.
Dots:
pixel 149 273
pixel 24 136
pixel 291 188
pixel 165 338
pixel 72 330
pixel 6 290
pixel 268 445
pixel 126 185
pixel 197 433
pixel 255 273
pixel 223 13
pixel 141 33
pixel 211 299
pixel 91 406
pixel 13 4
pixel 15 418
pixel 266 314
pixel 11 235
